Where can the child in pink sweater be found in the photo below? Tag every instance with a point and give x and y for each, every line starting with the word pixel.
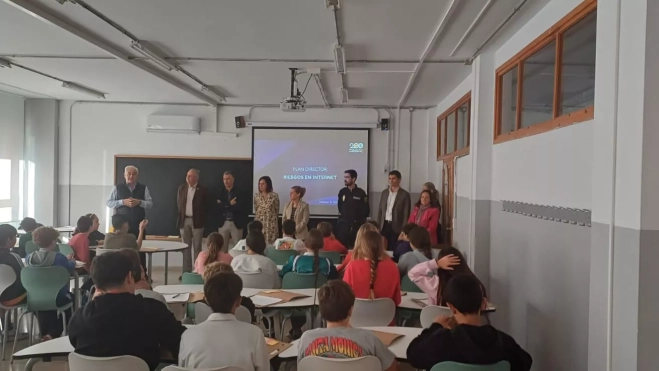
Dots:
pixel 214 253
pixel 433 276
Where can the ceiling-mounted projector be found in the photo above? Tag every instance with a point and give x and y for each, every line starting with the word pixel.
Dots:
pixel 295 102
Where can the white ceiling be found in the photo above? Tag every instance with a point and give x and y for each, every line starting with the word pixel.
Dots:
pixel 387 35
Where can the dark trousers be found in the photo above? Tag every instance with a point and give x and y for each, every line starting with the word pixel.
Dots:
pixel 389 234
pixel 346 232
pixel 50 323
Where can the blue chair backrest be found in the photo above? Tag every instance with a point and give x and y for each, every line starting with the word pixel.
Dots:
pixel 294 281
pixel 65 249
pixel 407 285
pixel 454 366
pixel 43 285
pixel 192 279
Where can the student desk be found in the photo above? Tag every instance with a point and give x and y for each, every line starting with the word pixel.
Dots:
pixel 407 302
pixel 297 303
pixel 398 347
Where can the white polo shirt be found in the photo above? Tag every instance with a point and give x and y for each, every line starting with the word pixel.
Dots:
pixel 390 205
pixel 222 341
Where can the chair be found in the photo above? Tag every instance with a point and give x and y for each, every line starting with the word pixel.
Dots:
pixel 333 256
pixel 7 278
pixel 454 366
pixel 203 311
pixel 313 363
pixel 192 279
pixel 256 280
pixel 227 368
pixel 280 257
pixel 42 286
pixel 429 313
pixel 294 281
pixel 371 313
pixel 65 249
pixel 78 362
pixel 31 247
pixel 407 285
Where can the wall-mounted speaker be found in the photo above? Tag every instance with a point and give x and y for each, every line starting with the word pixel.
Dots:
pixel 384 124
pixel 240 122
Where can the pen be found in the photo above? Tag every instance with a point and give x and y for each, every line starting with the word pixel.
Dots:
pixel 176 296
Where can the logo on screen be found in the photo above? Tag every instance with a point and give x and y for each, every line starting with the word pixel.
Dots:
pixel 356 147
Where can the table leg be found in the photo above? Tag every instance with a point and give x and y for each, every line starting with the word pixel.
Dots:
pixel 76 291
pixel 166 265
pixel 150 263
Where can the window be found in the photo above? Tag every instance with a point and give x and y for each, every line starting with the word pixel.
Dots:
pixel 453 129
pixel 550 83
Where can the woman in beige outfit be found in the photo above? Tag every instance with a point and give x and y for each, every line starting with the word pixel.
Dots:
pixel 266 209
pixel 298 211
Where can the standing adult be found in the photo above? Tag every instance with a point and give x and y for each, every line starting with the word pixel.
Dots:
pixel 394 209
pixel 297 211
pixel 353 209
pixel 232 216
pixel 266 209
pixel 131 198
pixel 426 214
pixel 192 202
pixel 430 186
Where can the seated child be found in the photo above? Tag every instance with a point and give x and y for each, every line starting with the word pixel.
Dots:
pixel 15 293
pixel 214 243
pixel 219 267
pixel 46 238
pixel 28 225
pixel 339 340
pixel 222 340
pixel 330 243
pixel 80 242
pixel 142 286
pixel 253 226
pixel 255 261
pixel 308 263
pixel 289 242
pixel 463 338
pixel 422 250
pixel 403 241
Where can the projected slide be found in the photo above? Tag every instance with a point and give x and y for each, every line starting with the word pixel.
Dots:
pixel 312 158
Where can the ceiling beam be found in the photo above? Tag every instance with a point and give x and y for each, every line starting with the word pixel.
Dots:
pixel 45 16
pixel 431 43
pixel 473 25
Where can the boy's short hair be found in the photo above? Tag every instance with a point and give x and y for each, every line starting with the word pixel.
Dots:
pixel 44 236
pixel 215 268
pixel 336 299
pixel 29 224
pixel 255 241
pixel 137 264
pixel 118 221
pixel 288 227
pixel 254 225
pixel 465 293
pixel 352 173
pixel 7 231
pixel 110 270
pixel 222 291
pixel 407 228
pixel 325 228
pixel 84 224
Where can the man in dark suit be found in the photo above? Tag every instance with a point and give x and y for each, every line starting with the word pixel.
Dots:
pixel 394 209
pixel 233 218
pixel 192 201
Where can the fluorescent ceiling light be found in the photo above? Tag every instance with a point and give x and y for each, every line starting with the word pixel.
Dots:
pixel 152 55
pixel 82 89
pixel 207 90
pixel 4 63
pixel 325 125
pixel 339 59
pixel 344 95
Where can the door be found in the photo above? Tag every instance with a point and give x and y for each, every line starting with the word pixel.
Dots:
pixel 447 201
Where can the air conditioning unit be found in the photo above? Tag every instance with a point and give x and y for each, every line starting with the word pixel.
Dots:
pixel 173 124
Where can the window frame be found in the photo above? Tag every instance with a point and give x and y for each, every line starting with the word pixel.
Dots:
pixel 442 134
pixel 555 33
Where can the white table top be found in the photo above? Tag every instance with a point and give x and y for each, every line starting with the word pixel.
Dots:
pixel 297 303
pixel 60 346
pixel 163 246
pixel 407 303
pixel 398 347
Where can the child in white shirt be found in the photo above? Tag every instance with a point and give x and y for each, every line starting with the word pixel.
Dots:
pixel 253 226
pixel 288 242
pixel 254 261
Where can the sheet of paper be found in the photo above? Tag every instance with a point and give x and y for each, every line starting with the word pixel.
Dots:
pixel 386 337
pixel 271 341
pixel 177 298
pixel 264 301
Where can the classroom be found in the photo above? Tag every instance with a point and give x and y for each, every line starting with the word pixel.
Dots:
pixel 329 180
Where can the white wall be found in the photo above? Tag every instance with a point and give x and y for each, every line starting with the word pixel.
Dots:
pixel 101 131
pixel 11 148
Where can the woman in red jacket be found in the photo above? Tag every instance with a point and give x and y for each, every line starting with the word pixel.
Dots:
pixel 426 214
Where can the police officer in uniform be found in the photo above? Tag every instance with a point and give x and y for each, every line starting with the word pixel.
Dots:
pixel 353 209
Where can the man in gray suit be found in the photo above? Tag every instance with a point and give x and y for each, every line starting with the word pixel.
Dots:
pixel 394 209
